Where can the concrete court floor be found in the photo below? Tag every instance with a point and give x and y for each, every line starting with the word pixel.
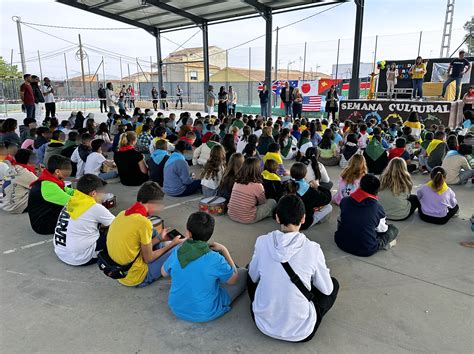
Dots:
pixel 416 297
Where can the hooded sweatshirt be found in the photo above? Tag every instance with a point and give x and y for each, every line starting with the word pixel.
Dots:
pixel 53 148
pixel 281 310
pixel 16 193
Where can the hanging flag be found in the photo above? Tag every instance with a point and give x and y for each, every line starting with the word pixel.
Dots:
pixel 311 103
pixel 275 86
pixel 308 88
pixel 325 84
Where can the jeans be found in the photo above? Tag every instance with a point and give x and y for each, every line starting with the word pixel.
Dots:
pixel 180 100
pixel 386 237
pixel 438 220
pixel 191 188
pixel 208 192
pixel 238 288
pixel 154 268
pixel 322 303
pixel 103 105
pixel 417 88
pixel 50 109
pixel 112 110
pixel 108 175
pixel 30 110
pixel 231 109
pixel 458 86
pixel 465 176
pixel 264 109
pixel 288 108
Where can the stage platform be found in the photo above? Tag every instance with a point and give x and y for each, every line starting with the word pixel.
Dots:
pixel 448 113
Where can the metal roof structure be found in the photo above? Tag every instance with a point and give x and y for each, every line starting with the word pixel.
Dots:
pixel 159 16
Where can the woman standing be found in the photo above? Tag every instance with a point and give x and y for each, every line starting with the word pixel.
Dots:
pixel 417 72
pixel 232 103
pixel 297 103
pixel 110 98
pixel 222 98
pixel 332 102
pixel 392 74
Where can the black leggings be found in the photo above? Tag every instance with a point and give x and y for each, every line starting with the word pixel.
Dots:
pixel 322 302
pixel 438 221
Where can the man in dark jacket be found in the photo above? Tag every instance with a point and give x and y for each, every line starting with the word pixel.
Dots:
pixel 361 228
pixel 102 98
pixel 286 96
pixel 263 96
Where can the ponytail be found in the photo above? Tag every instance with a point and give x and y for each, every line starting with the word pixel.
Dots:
pixel 291 187
pixel 127 138
pixel 438 175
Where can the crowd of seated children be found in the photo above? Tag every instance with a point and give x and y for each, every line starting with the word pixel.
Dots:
pixel 437 201
pixel 49 194
pixel 274 154
pixel 395 193
pixel 288 144
pixel 316 198
pixel 248 203
pixel 350 177
pixel 348 149
pixel 55 146
pixel 271 180
pixel 96 162
pixel 456 165
pixel 202 153
pixel 230 174
pixel 79 156
pixel 328 150
pixel 436 150
pixel 130 163
pixel 18 177
pixel 178 181
pixel 204 278
pixel 316 172
pixel 278 306
pixel 361 228
pixel 375 155
pixel 400 151
pixel 131 238
pixel 265 140
pixel 213 171
pixel 81 227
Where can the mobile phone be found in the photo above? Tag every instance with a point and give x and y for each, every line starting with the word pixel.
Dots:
pixel 174 233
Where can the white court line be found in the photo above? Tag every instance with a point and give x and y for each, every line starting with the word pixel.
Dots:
pixel 13 250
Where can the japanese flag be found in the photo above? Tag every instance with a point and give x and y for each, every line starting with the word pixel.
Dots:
pixel 308 88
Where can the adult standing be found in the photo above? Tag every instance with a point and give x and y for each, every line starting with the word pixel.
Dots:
pixel 163 95
pixel 332 101
pixel 417 72
pixel 154 97
pixel 286 96
pixel 297 103
pixel 131 96
pixel 263 95
pixel 102 98
pixel 222 97
pixel 211 100
pixel 49 103
pixel 457 68
pixel 27 96
pixel 179 96
pixel 392 75
pixel 110 97
pixel 232 102
pixel 39 98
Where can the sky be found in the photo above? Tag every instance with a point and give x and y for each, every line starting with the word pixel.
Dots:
pixel 397 23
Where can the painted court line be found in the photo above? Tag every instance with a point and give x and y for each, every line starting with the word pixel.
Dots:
pixel 13 250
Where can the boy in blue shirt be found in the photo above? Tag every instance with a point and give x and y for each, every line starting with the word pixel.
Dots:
pixel 205 280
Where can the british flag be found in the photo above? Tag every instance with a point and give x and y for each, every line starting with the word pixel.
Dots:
pixel 311 103
pixel 277 85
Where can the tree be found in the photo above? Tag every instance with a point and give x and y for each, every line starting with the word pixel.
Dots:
pixel 469 37
pixel 7 69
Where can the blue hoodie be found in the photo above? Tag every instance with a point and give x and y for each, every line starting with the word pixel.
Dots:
pixel 176 175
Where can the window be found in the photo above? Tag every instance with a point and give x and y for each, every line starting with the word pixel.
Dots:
pixel 193 75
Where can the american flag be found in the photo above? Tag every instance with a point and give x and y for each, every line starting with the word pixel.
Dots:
pixel 311 103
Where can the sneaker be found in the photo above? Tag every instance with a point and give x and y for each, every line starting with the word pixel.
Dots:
pixel 390 245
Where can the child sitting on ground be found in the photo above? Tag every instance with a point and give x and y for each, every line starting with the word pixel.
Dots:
pixel 437 201
pixel 131 238
pixel 144 140
pixel 96 162
pixel 350 177
pixel 271 180
pixel 400 151
pixel 436 150
pixel 458 170
pixel 349 149
pixel 79 156
pixel 77 238
pixel 49 194
pixel 248 203
pixel 230 174
pixel 316 199
pixel 274 154
pixel 157 161
pixel 205 279
pixel 316 170
pixel 211 175
pixel 279 307
pixel 361 228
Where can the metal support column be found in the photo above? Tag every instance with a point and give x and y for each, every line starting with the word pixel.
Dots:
pixel 20 42
pixel 268 56
pixel 159 63
pixel 205 52
pixel 354 83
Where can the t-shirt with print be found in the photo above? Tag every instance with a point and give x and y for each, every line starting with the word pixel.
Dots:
pixel 94 163
pixel 124 239
pixel 458 65
pixel 75 240
pixel 195 294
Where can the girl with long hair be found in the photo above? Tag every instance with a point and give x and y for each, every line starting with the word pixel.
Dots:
pixel 316 172
pixel 438 202
pixel 131 165
pixel 230 174
pixel 350 177
pixel 328 151
pixel 288 144
pixel 395 191
pixel 246 131
pixel 211 175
